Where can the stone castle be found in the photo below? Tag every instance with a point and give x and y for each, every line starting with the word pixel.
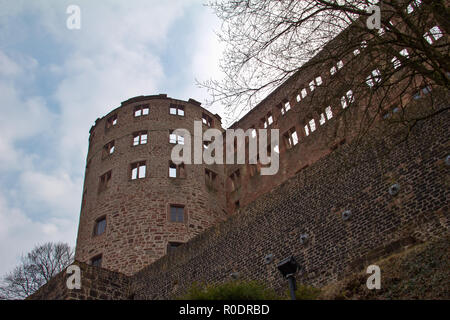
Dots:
pixel 149 227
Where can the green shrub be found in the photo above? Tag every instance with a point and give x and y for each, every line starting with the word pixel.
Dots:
pixel 233 290
pixel 305 292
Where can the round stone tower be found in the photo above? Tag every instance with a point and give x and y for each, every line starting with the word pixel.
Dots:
pixel 137 205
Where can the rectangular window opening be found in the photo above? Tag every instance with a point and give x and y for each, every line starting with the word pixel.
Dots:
pixel 177 213
pixel 138 170
pixel 100 226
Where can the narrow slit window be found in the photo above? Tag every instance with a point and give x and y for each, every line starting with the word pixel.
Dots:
pixel 312 125
pixel 322 119
pixel 97 261
pixel 235 179
pixel 100 226
pixel 104 181
pixel 328 112
pixel 210 179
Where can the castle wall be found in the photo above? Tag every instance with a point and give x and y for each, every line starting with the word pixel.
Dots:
pixel 96 284
pixel 356 177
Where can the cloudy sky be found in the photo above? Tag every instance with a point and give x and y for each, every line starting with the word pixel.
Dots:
pixel 54 83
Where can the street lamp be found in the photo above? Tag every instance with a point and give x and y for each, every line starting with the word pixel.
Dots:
pixel 288 268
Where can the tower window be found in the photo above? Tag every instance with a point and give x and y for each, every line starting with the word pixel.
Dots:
pixel 97 261
pixel 176 213
pixel 176 171
pixel 138 170
pixel 210 179
pixel 140 138
pixel 333 70
pixel 207 120
pixel 285 107
pixel 347 99
pixel 175 138
pixel 141 111
pixel 267 120
pixel 304 93
pixel 235 179
pixel 328 112
pixel 434 34
pixel 322 119
pixel 100 226
pixel 291 138
pixel 108 149
pixel 104 181
pixel 111 121
pixel 312 125
pixel 175 109
pixel 374 78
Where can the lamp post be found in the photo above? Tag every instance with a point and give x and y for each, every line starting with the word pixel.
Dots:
pixel 288 268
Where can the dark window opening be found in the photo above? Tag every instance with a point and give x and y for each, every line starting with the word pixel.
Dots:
pixel 210 179
pixel 176 213
pixel 108 149
pixel 97 261
pixel 172 246
pixel 104 181
pixel 207 120
pixel 100 226
pixel 111 121
pixel 235 179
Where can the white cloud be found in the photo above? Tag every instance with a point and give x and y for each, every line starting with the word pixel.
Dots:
pixel 116 55
pixel 59 193
pixel 19 234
